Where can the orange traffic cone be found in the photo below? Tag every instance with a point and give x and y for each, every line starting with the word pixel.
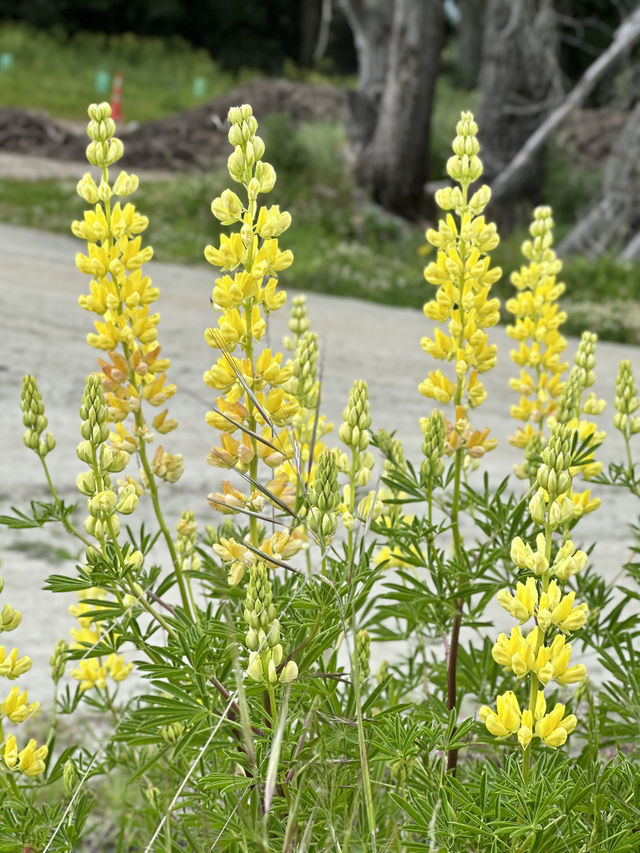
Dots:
pixel 116 97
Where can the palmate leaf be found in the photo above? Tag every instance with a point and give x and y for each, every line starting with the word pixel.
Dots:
pixel 65 583
pixel 41 514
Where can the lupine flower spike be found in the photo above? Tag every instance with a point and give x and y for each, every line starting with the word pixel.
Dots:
pixel 571 410
pixel 263 633
pixel 254 399
pixel 132 372
pixel 354 433
pixel 463 276
pixel 536 327
pixel 542 654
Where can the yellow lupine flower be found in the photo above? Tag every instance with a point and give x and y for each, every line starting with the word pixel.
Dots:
pixel 554 727
pixel 282 545
pixel 525 732
pixel 16 706
pixel 90 673
pixel 10 752
pixel 230 499
pixel 9 618
pixel 583 503
pixel 237 556
pixel 553 662
pixel 516 651
pixel 10 666
pixel 523 604
pixel 556 609
pixel 506 719
pixel 117 668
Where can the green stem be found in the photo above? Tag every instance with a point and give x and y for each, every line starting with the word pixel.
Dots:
pixel 364 763
pixel 153 491
pixel 533 691
pixel 452 755
pixel 526 755
pixel 68 526
pixel 254 533
pixel 452 667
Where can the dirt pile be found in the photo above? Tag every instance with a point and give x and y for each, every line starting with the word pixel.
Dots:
pixel 191 139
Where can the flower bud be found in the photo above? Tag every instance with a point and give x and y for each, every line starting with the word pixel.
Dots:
pixel 537 508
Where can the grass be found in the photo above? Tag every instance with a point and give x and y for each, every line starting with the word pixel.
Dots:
pixel 58 74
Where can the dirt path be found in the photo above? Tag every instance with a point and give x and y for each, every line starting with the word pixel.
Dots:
pixel 42 331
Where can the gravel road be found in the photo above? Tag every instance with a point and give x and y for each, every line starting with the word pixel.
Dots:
pixel 42 331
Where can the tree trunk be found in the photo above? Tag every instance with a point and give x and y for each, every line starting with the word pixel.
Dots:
pixel 370 22
pixel 470 41
pixel 615 218
pixel 394 164
pixel 520 83
pixel 309 23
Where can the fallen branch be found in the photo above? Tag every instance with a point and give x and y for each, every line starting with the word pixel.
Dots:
pixel 625 37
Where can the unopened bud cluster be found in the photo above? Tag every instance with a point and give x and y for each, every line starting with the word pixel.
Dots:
pixel 465 166
pixel 57 660
pixel 305 371
pixel 104 148
pixel 626 401
pixel 363 654
pixel 298 321
pixel 263 634
pixel 553 474
pixel 432 465
pixel 103 460
pixel 34 419
pixel 187 540
pixel 354 431
pixel 324 498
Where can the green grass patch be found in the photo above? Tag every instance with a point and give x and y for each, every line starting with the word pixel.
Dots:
pixel 58 74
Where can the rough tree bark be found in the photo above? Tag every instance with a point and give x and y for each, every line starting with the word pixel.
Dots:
pixel 615 218
pixel 626 37
pixel 470 41
pixel 309 24
pixel 370 22
pixel 520 83
pixel 393 163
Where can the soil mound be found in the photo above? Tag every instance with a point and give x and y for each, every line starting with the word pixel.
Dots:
pixel 191 139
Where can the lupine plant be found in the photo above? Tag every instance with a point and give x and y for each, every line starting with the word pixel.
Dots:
pixel 229 662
